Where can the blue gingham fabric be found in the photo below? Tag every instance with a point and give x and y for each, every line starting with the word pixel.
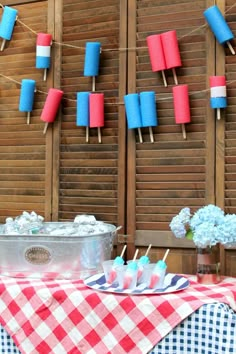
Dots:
pixel 209 330
pixel 7 346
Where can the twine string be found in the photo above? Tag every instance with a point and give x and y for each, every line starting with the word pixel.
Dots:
pixel 114 50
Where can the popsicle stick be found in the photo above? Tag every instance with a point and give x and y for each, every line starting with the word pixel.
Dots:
pixel 218 113
pixel 230 47
pixel 45 75
pixel 165 255
pixel 93 83
pixel 183 131
pixel 175 76
pixel 87 134
pixel 135 255
pixel 45 128
pixel 149 247
pixel 99 135
pixel 28 117
pixel 140 135
pixel 3 45
pixel 164 78
pixel 123 251
pixel 151 135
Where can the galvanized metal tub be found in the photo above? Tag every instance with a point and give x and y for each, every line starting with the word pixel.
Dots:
pixel 55 257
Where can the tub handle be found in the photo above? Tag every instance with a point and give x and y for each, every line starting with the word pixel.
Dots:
pixel 115 231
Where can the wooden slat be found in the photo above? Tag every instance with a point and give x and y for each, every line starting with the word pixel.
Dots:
pixel 131 146
pixel 22 147
pixel 225 137
pixel 171 173
pixel 226 127
pixel 91 175
pixel 152 158
pixel 57 10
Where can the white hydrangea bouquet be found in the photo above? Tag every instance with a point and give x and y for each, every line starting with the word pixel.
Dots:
pixel 208 226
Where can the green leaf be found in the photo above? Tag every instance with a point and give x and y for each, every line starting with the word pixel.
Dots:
pixel 189 235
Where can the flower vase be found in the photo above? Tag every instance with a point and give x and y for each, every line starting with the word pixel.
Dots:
pixel 208 266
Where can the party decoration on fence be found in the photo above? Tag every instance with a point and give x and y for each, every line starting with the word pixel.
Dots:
pixel 43 52
pixel 90 112
pixel 82 111
pixel 219 26
pixel 156 54
pixel 218 98
pixel 181 106
pixel 148 111
pixel 164 53
pixel 51 106
pixel 133 113
pixel 140 109
pixel 96 112
pixel 7 24
pixel 91 61
pixel 27 97
pixel 141 112
pixel 171 52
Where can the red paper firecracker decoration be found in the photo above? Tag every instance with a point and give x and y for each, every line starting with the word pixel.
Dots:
pixel 181 106
pixel 96 112
pixel 51 106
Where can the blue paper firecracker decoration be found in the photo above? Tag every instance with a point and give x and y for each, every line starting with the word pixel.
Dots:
pixel 7 24
pixel 141 111
pixel 219 26
pixel 27 97
pixel 82 111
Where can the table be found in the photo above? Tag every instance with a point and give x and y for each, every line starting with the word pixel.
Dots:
pixel 67 317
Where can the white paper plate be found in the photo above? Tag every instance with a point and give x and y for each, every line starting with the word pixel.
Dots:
pixel 172 283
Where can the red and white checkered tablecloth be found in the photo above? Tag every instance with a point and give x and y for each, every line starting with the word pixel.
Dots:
pixel 66 317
